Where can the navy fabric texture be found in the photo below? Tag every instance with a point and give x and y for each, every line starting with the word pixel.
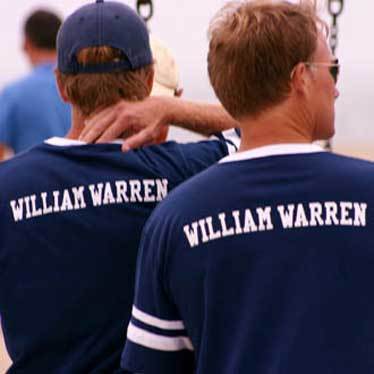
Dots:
pixel 267 264
pixel 71 219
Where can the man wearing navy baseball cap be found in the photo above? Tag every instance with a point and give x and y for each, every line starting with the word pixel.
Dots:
pixel 103 24
pixel 72 213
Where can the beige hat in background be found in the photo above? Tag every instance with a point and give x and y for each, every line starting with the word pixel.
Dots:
pixel 166 80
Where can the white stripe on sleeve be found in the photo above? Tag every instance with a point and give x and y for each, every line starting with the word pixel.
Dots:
pixel 232 140
pixel 156 322
pixel 158 342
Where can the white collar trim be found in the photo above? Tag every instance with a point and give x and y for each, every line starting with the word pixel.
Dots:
pixel 273 150
pixel 64 142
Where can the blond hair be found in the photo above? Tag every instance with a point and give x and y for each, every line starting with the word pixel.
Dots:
pixel 254 46
pixel 90 92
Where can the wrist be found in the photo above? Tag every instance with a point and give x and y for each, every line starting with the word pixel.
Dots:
pixel 170 110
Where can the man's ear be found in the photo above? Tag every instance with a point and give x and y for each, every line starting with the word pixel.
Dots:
pixel 150 79
pixel 25 45
pixel 301 79
pixel 28 45
pixel 61 88
pixel 178 92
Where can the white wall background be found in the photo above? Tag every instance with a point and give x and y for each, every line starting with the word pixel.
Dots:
pixel 183 24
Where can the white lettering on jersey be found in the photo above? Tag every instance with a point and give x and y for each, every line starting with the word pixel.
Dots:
pixel 35 212
pixel 96 193
pixel 79 202
pixel 162 189
pixel 260 219
pixel 135 187
pixel 346 207
pixel 46 208
pixel 360 214
pixel 264 218
pixel 316 214
pixel 93 195
pixel 238 228
pixel 66 202
pixel 249 222
pixel 301 220
pixel 286 216
pixel 225 231
pixel 121 187
pixel 192 234
pixel 149 196
pixel 17 209
pixel 108 195
pixel 331 213
pixel 212 234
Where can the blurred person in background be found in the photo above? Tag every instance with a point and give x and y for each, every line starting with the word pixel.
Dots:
pixel 166 77
pixel 31 109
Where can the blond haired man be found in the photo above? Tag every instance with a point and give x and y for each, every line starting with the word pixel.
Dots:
pixel 270 270
pixel 72 213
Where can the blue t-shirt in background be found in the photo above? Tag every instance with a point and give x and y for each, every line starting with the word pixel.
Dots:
pixel 31 110
pixel 264 263
pixel 71 219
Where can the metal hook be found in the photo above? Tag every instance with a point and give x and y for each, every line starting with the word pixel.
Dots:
pixel 335 7
pixel 143 4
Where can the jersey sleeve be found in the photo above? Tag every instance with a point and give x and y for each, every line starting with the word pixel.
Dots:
pixel 179 162
pixel 199 156
pixel 157 341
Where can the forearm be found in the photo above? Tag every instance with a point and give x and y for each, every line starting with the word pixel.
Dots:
pixel 147 120
pixel 202 118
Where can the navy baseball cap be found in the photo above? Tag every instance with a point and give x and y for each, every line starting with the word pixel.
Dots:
pixel 103 24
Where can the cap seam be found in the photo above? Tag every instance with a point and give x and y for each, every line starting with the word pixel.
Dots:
pixel 101 23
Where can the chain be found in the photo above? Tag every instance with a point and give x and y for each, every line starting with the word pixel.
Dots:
pixel 145 9
pixel 335 8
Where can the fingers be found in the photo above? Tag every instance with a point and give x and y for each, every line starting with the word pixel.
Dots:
pixel 141 139
pixel 125 118
pixel 92 123
pixel 98 125
pixel 115 131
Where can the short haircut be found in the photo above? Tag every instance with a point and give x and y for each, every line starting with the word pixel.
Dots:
pixel 41 28
pixel 90 92
pixel 254 46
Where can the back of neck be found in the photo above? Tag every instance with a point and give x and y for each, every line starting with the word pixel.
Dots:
pixel 43 57
pixel 275 126
pixel 77 124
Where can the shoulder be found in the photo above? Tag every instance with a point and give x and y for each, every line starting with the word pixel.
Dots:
pixel 188 158
pixel 174 148
pixel 199 190
pixel 211 186
pixel 347 167
pixel 29 161
pixel 16 89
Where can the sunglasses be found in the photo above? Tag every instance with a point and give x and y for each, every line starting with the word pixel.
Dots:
pixel 334 67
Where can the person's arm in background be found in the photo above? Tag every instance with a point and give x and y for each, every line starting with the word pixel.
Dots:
pixel 146 119
pixel 6 151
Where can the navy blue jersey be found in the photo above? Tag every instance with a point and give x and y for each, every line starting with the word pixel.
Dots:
pixel 71 219
pixel 262 264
